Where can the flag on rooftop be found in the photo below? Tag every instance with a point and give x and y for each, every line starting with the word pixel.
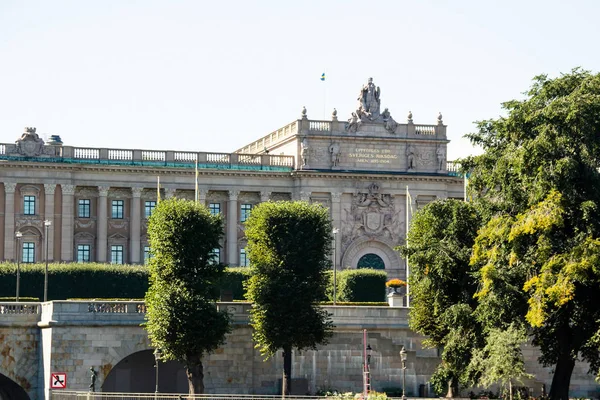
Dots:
pixel 323 76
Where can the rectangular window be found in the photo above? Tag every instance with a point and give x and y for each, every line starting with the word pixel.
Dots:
pixel 83 252
pixel 245 212
pixel 147 254
pixel 243 258
pixel 149 208
pixel 84 208
pixel 29 205
pixel 116 254
pixel 215 208
pixel 28 252
pixel 117 209
pixel 216 255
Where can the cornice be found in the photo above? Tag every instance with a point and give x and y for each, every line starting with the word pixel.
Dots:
pixel 308 174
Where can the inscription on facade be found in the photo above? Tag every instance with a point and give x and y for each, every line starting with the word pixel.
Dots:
pixel 377 156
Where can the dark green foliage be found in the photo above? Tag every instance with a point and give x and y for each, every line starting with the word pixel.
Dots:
pixel 182 318
pixel 233 279
pixel 66 281
pixel 5 299
pixel 442 285
pixel 361 285
pixel 537 184
pixel 289 244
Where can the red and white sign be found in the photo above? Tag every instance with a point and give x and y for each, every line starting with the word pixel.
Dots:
pixel 58 380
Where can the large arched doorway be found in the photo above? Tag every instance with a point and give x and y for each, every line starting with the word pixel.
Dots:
pixel 10 390
pixel 136 374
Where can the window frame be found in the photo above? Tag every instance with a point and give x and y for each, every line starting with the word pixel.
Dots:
pixel 28 253
pixel 116 250
pixel 83 251
pixel 83 206
pixel 214 206
pixel 117 209
pixel 149 206
pixel 245 210
pixel 29 201
pixel 244 261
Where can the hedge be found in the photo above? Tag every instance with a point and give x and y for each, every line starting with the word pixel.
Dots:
pixel 361 285
pixel 95 280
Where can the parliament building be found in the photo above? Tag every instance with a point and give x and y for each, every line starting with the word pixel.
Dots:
pixel 92 204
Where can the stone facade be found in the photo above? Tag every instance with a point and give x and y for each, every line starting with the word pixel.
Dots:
pixel 72 337
pixel 96 200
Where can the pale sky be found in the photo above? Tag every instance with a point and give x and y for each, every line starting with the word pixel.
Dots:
pixel 216 75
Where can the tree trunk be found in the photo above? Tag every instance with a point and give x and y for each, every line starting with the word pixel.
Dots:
pixel 195 375
pixel 452 389
pixel 286 382
pixel 562 377
pixel 510 389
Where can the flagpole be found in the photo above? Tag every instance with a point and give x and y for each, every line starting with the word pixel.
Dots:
pixel 408 201
pixel 157 189
pixel 196 181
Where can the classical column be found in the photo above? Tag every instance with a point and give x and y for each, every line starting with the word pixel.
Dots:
pixel 305 196
pixel 136 225
pixel 102 234
pixel 232 223
pixel 336 212
pixel 68 217
pixel 9 220
pixel 265 196
pixel 49 189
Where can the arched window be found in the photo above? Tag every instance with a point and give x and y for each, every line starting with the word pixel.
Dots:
pixel 372 261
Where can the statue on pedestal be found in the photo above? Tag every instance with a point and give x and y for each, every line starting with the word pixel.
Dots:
pixel 369 101
pixel 93 379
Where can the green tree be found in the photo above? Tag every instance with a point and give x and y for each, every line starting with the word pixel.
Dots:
pixel 182 318
pixel 442 285
pixel 538 186
pixel 501 360
pixel 289 244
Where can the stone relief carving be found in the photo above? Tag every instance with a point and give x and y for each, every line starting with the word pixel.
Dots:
pixel 85 223
pixel 410 157
pixel 86 192
pixel 249 197
pixel 9 187
pixel 103 190
pixel 426 158
pixel 368 110
pixel 49 188
pixel 233 194
pixel 68 189
pixel 170 192
pixel 215 197
pixel 372 214
pixel 119 193
pixel 281 196
pixel 136 191
pixel 441 158
pixel 29 144
pixel 305 152
pixel 334 151
pixel 118 223
pixel 305 196
pixel 29 220
pixel 265 196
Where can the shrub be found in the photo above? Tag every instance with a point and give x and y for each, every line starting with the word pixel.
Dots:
pixel 361 285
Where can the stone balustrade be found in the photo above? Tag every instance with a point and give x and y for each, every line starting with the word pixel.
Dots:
pixel 94 312
pixel 154 158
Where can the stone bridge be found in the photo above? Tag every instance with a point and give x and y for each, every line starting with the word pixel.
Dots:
pixel 70 337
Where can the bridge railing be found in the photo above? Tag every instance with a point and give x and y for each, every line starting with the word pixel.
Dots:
pixel 73 395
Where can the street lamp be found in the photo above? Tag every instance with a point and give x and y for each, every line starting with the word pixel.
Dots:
pixel 403 358
pixel 157 356
pixel 335 231
pixel 18 235
pixel 46 226
pixel 369 352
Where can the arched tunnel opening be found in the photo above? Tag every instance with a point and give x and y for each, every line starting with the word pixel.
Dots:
pixel 10 390
pixel 136 373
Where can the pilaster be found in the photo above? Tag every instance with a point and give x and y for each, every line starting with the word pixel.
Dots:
pixel 68 217
pixel 232 220
pixel 49 189
pixel 9 220
pixel 102 239
pixel 136 224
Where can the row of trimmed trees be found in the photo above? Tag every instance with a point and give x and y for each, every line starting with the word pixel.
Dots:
pixel 522 258
pixel 288 245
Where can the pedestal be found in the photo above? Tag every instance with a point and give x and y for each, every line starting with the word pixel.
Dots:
pixel 395 299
